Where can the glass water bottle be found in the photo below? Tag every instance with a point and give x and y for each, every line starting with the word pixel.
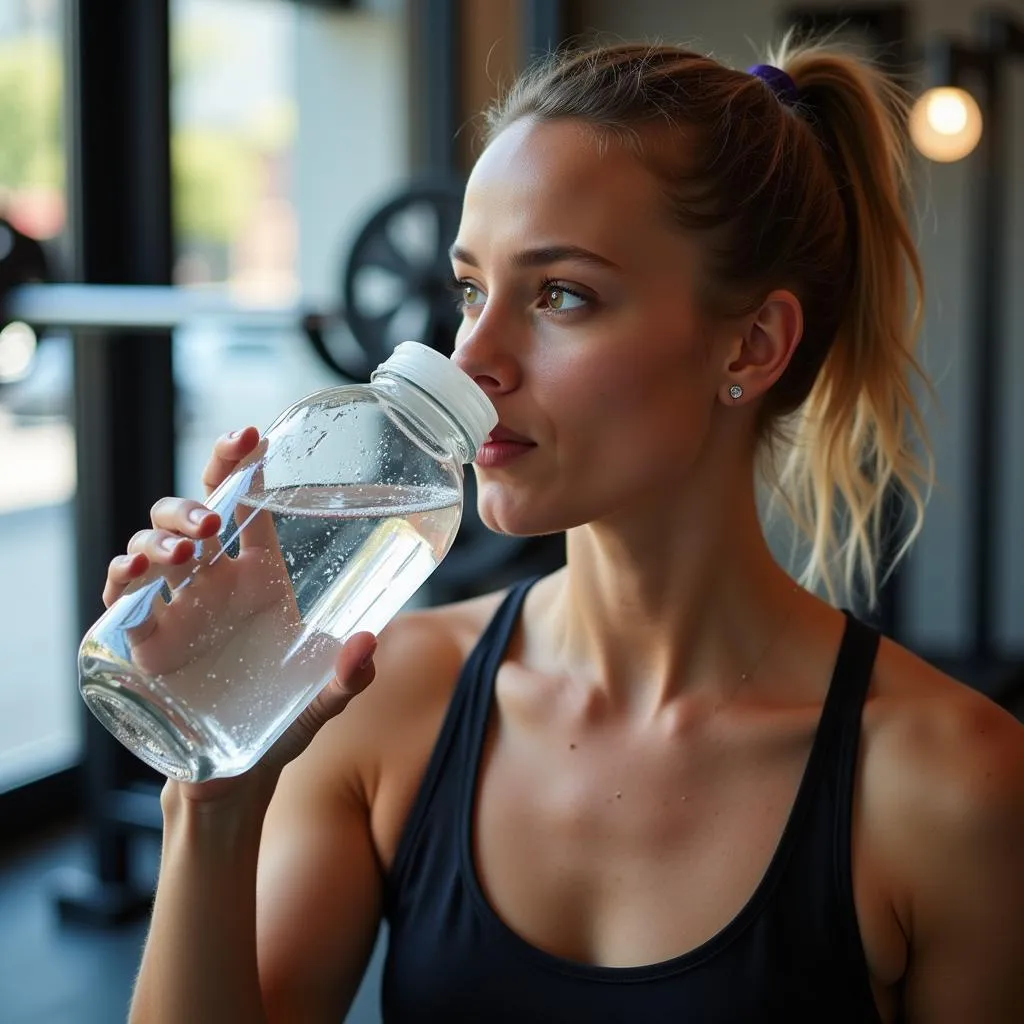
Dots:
pixel 342 511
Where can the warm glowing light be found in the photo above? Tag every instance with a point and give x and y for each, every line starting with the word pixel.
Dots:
pixel 945 124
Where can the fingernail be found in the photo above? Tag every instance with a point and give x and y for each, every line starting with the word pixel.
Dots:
pixel 368 657
pixel 197 515
pixel 169 543
pixel 233 434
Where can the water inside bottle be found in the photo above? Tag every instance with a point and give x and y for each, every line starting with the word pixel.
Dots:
pixel 239 663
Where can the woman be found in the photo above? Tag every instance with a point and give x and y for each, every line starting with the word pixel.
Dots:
pixel 664 783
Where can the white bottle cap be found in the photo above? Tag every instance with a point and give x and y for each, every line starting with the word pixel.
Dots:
pixel 439 377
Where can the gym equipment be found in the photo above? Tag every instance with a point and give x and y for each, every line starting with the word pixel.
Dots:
pixel 397 281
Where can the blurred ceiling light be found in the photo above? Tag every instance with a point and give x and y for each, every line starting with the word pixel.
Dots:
pixel 17 350
pixel 945 124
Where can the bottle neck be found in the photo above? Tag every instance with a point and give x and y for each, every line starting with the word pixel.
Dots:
pixel 434 416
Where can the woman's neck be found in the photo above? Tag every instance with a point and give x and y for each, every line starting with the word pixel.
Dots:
pixel 674 597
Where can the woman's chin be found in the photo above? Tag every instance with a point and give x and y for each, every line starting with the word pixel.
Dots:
pixel 521 521
pixel 509 526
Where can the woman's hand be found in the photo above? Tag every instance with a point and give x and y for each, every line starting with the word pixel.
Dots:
pixel 249 589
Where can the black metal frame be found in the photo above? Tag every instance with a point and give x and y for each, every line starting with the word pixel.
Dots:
pixel 435 88
pixel 120 206
pixel 36 804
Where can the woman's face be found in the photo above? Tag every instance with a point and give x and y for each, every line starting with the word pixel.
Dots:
pixel 582 325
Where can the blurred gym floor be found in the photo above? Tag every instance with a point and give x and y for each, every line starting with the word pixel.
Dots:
pixel 57 973
pixel 50 972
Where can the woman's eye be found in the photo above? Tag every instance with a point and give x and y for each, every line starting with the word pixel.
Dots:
pixel 467 295
pixel 561 299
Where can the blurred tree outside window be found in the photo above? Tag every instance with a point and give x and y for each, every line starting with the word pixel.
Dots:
pixel 234 122
pixel 31 132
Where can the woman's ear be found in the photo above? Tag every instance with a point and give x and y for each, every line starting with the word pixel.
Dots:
pixel 763 351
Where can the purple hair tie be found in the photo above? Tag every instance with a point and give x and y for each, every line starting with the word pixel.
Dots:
pixel 778 81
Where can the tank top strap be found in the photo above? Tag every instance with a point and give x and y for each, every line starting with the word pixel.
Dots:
pixel 482 666
pixel 467 714
pixel 846 699
pixel 839 726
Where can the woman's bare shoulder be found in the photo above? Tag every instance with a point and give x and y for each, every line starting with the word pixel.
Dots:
pixel 942 779
pixel 933 726
pixel 941 802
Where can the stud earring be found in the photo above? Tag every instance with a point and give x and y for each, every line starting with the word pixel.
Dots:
pixel 735 392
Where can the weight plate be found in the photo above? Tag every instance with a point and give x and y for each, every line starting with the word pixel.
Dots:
pixel 397 279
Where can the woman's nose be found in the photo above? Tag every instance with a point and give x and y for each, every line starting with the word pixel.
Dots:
pixel 479 354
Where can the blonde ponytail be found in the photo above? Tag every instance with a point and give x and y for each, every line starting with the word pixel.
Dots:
pixel 852 440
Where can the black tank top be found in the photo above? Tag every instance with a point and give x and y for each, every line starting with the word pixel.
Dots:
pixel 793 953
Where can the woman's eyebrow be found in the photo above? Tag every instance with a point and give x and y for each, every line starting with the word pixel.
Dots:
pixel 540 256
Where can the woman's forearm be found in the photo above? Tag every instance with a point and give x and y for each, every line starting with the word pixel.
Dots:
pixel 199 964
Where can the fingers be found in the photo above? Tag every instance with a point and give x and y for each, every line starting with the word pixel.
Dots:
pixel 120 573
pixel 178 523
pixel 228 451
pixel 184 516
pixel 354 665
pixel 354 671
pixel 163 547
pixel 255 524
pixel 254 527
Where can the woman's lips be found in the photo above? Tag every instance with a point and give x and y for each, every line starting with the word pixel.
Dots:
pixel 501 448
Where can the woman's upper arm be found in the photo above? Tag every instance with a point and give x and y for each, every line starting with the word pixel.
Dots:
pixel 319 882
pixel 318 898
pixel 966 879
